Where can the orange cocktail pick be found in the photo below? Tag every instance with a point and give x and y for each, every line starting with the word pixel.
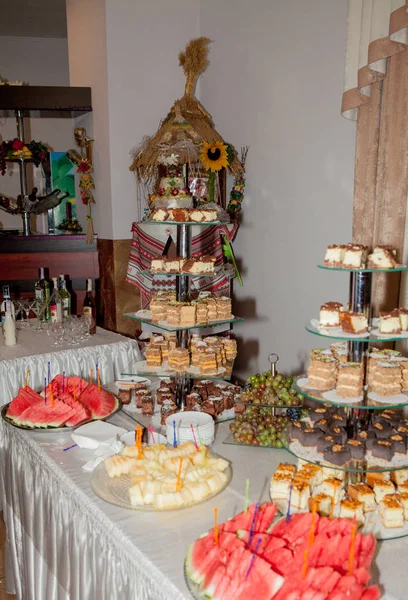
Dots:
pixel 352 545
pixel 216 526
pixel 178 485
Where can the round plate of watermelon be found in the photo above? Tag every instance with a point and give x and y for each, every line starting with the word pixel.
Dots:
pixel 64 404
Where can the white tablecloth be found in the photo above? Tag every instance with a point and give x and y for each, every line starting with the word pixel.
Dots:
pixel 34 349
pixel 66 543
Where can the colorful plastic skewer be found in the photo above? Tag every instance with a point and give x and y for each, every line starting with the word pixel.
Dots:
pixel 45 390
pixel 69 447
pixel 352 545
pixel 246 504
pixel 151 431
pixel 178 485
pixel 216 526
pixel 174 434
pixel 290 498
pixel 49 371
pixel 194 436
pixel 251 564
pixel 251 532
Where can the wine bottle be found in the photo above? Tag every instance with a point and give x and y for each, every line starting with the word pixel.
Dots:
pixel 56 303
pixel 9 326
pixel 65 301
pixel 42 292
pixel 89 306
pixel 6 296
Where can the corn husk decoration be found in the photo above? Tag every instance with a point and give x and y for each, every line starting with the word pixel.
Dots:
pixel 188 130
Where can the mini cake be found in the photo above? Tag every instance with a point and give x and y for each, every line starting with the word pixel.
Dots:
pixel 280 485
pixel 350 380
pixel 332 487
pixel 389 322
pixel 192 399
pixel 403 317
pixel 329 314
pixel 403 498
pixel 381 258
pixel 286 468
pixel 334 255
pixel 382 488
pixel 399 443
pixel 198 266
pixel 168 408
pixel 158 309
pixel 159 214
pixel 323 504
pixel 139 395
pixel 382 449
pixel 230 347
pixel 162 394
pixel 201 312
pixel 208 362
pixel 125 395
pixel 353 322
pixel 173 314
pixel 147 405
pixel 355 256
pixel 326 442
pixel 362 493
pixel 399 477
pixel 310 437
pixel 180 215
pixel 187 315
pixel 212 308
pixel 337 455
pixel 352 509
pixel 391 513
pixel 157 263
pixel 173 265
pixel 357 449
pixel 300 495
pixel 319 413
pixel 340 351
pixel 224 308
pixel 179 359
pixel 386 380
pixel 153 356
pixel 373 476
pixel 322 372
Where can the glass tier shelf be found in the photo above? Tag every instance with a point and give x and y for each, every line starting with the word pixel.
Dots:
pixel 337 334
pixel 190 223
pixel 330 397
pixel 140 368
pixel 163 324
pixel 162 273
pixel 155 419
pixel 371 465
pixel 395 269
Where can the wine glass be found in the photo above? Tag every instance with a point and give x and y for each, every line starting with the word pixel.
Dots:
pixel 57 331
pixel 17 310
pixel 39 308
pixel 27 305
pixel 83 328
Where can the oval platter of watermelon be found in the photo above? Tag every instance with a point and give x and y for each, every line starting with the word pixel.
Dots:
pixel 308 557
pixel 64 404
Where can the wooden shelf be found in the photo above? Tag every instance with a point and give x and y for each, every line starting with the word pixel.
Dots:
pixel 34 97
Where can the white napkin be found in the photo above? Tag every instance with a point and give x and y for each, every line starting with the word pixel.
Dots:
pixel 103 451
pixel 93 434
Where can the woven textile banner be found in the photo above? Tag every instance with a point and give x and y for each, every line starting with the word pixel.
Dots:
pixel 150 240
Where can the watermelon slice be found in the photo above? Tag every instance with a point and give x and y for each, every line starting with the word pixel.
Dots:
pixel 101 403
pixel 264 537
pixel 82 412
pixel 22 401
pixel 241 521
pixel 42 415
pixel 371 593
pixel 195 556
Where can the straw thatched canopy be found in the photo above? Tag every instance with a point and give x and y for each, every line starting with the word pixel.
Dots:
pixel 182 133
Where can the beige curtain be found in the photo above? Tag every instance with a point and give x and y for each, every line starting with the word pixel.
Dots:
pixel 376 96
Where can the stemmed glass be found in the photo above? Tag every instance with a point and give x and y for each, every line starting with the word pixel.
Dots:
pixel 27 305
pixel 57 331
pixel 39 309
pixel 17 310
pixel 71 331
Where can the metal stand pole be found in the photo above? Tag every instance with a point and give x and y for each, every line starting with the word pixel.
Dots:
pixel 23 173
pixel 182 295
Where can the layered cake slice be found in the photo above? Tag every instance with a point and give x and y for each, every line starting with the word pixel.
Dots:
pixel 382 488
pixel 187 315
pixel 329 314
pixel 211 309
pixel 386 379
pixel 208 362
pixel 230 347
pixel 353 322
pixel 355 256
pixel 334 255
pixel 389 322
pixel 172 265
pixel 340 351
pixel 362 493
pixel 153 356
pixel 322 372
pixel 157 263
pixel 198 266
pixel 280 485
pixel 350 380
pixel 382 258
pixel 323 504
pixel 179 359
pixel 391 513
pixel 403 317
pixel 201 313
pixel 333 488
pixel 224 308
pixel 159 214
pixel 158 309
pixel 173 313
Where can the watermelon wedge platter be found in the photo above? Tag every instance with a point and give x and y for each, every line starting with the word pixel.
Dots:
pixel 66 402
pixel 254 558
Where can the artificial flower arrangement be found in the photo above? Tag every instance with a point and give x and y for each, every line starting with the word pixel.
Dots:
pixel 36 151
pixel 70 225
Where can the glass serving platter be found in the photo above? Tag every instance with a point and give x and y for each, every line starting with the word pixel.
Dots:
pixel 311 455
pixel 163 273
pixel 395 269
pixel 54 429
pixel 139 368
pixel 116 490
pixel 366 403
pixel 190 223
pixel 165 327
pixel 336 333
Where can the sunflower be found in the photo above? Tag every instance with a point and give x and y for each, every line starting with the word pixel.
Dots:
pixel 214 157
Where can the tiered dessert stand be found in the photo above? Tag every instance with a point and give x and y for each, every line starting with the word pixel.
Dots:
pixel 359 413
pixel 183 379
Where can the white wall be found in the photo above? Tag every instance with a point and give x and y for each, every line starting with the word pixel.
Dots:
pixel 38 61
pixel 275 84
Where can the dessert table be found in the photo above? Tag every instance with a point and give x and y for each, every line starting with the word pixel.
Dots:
pixel 66 543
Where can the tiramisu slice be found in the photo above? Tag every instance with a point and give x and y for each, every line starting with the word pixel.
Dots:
pixel 403 317
pixel 352 509
pixel 199 266
pixel 381 258
pixel 389 322
pixel 180 215
pixel 353 322
pixel 159 214
pixel 157 263
pixel 329 314
pixel 355 256
pixel 172 265
pixel 386 380
pixel 350 380
pixel 362 493
pixel 391 513
pixel 322 372
pixel 334 255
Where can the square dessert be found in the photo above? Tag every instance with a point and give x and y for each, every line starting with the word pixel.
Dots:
pixel 157 263
pixel 362 493
pixel 334 255
pixel 382 257
pixel 355 256
pixel 389 322
pixel 352 509
pixel 323 504
pixel 329 314
pixel 403 317
pixel 382 488
pixel 353 322
pixel 391 513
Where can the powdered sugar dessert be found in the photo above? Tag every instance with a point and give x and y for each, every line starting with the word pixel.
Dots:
pixel 329 314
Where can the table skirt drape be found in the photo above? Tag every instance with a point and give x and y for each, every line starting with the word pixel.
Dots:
pixel 88 558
